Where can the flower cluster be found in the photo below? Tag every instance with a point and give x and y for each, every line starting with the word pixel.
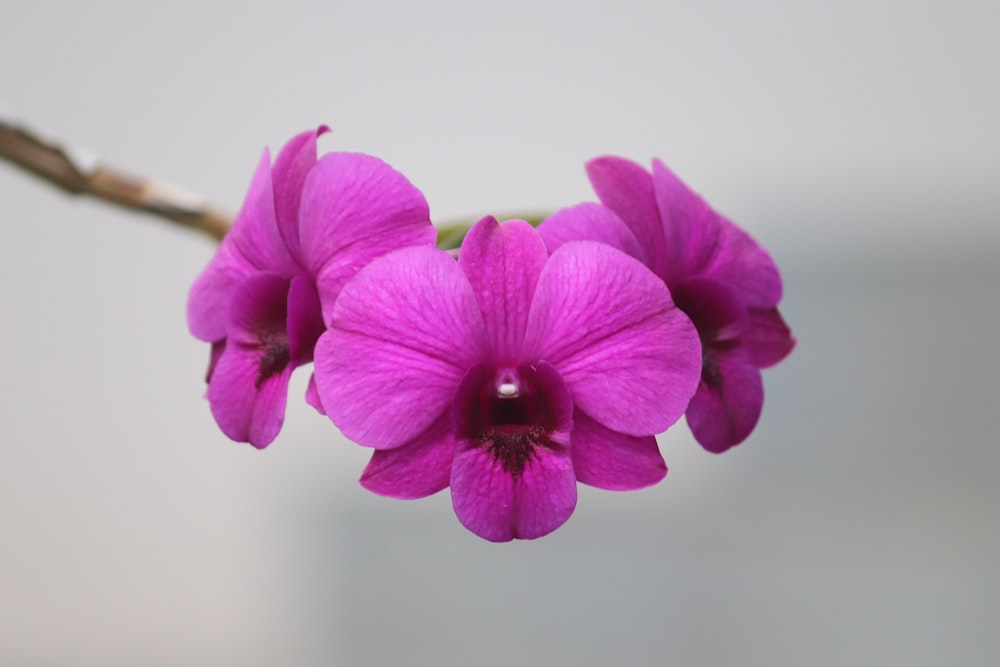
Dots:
pixel 538 359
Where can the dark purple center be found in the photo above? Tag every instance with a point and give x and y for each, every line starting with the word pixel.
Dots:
pixel 509 411
pixel 275 355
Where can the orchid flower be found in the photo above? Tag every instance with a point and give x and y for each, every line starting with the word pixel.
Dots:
pixel 509 375
pixel 724 280
pixel 304 230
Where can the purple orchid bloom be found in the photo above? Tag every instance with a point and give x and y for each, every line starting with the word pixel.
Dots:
pixel 305 229
pixel 508 375
pixel 724 280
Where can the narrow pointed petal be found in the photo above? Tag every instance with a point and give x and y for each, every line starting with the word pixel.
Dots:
pixel 289 175
pixel 627 189
pixel 630 358
pixel 743 265
pixel 355 208
pixel 502 263
pixel 312 395
pixel 590 222
pixel 419 468
pixel 727 405
pixel 611 460
pixel 255 233
pixel 499 506
pixel 690 226
pixel 404 332
pixel 249 384
pixel 767 339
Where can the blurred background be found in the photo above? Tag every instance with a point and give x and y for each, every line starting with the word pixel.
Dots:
pixel 859 142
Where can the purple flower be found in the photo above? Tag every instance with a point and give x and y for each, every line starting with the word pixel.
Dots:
pixel 508 375
pixel 724 280
pixel 305 229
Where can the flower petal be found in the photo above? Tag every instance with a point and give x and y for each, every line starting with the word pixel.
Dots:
pixel 729 399
pixel 593 222
pixel 690 226
pixel 312 395
pixel 356 208
pixel 629 357
pixel 249 384
pixel 208 299
pixel 419 468
pixel 403 334
pixel 255 233
pixel 611 460
pixel 768 339
pixel 289 175
pixel 305 320
pixel 502 263
pixel 498 506
pixel 743 265
pixel 627 189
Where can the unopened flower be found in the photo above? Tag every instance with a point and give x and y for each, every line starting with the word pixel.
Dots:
pixel 724 280
pixel 304 230
pixel 508 375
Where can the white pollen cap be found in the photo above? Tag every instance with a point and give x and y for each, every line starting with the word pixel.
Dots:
pixel 507 390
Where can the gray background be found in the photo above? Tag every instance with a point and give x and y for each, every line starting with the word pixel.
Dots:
pixel 858 141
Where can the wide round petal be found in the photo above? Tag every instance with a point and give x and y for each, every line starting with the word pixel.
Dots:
pixel 611 460
pixel 627 189
pixel 419 468
pixel 744 266
pixel 288 176
pixel 249 384
pixel 590 222
pixel 767 338
pixel 691 228
pixel 356 208
pixel 502 263
pixel 630 358
pixel 403 334
pixel 729 399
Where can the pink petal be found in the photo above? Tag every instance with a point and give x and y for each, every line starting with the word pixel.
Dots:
pixel 289 175
pixel 593 222
pixel 690 226
pixel 502 263
pixel 312 395
pixel 729 399
pixel 255 233
pixel 630 358
pixel 767 338
pixel 498 506
pixel 208 299
pixel 611 460
pixel 403 334
pixel 627 189
pixel 356 208
pixel 419 468
pixel 305 319
pixel 249 384
pixel 744 266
